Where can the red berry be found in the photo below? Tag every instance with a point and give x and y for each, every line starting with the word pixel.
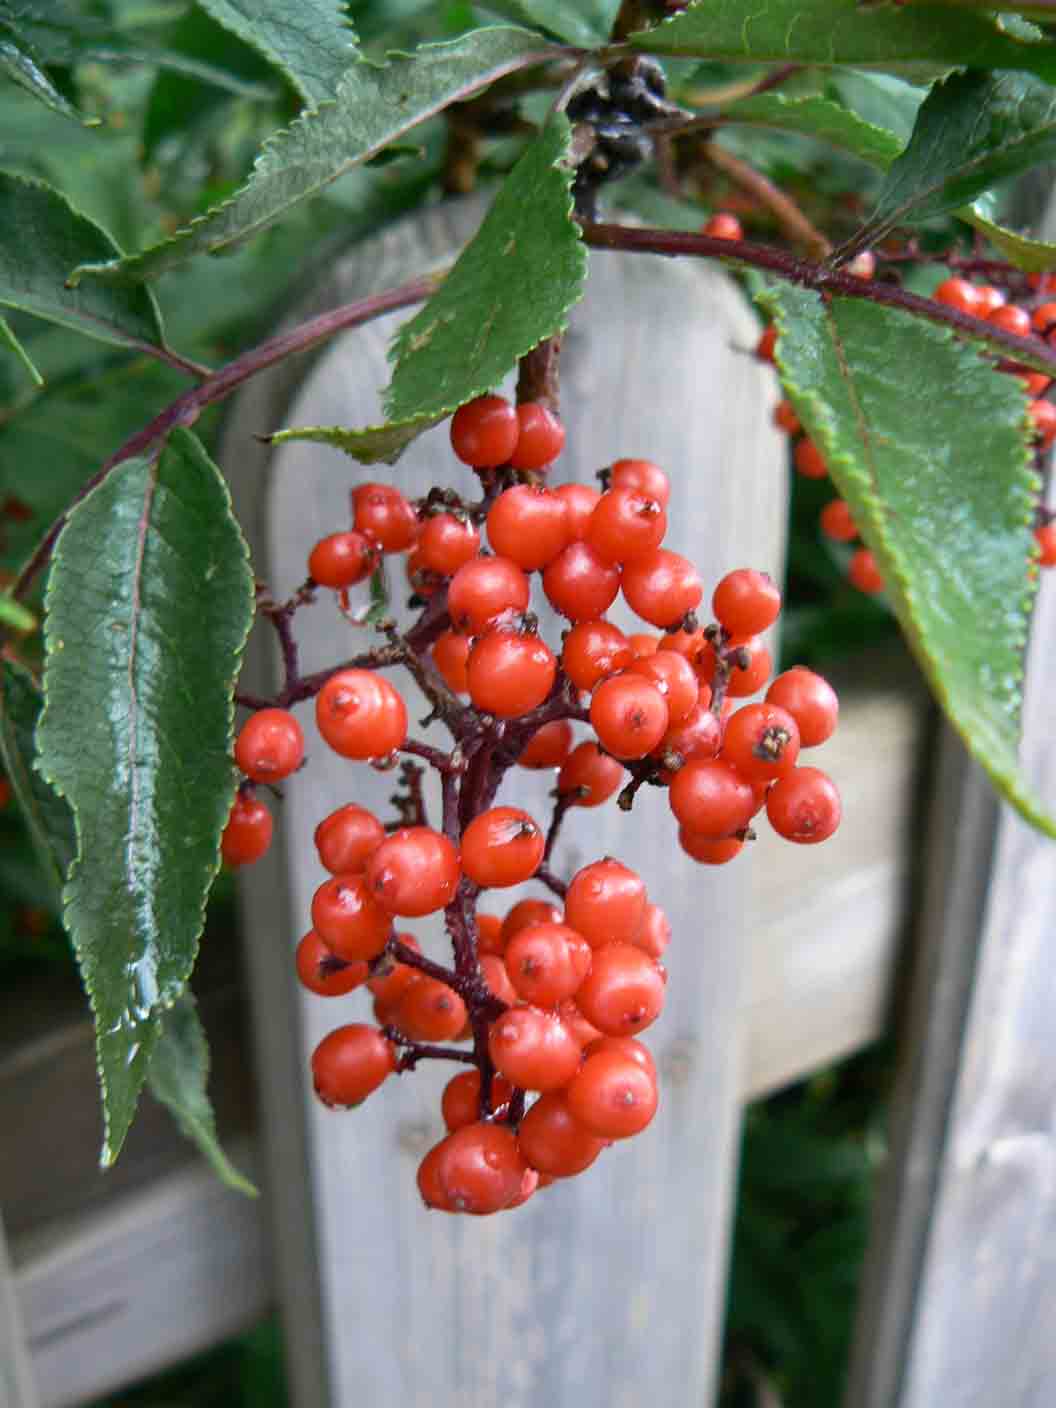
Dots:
pixel 501 847
pixel 606 903
pixel 654 933
pixel 804 806
pixel 723 226
pixel 591 774
pixel 529 525
pixel 347 838
pixel 526 913
pixel 990 299
pixel 414 871
pixel 270 745
pixel 540 438
pixel 1045 536
pixel 451 658
pixel 808 459
pixel 533 1049
pixel 544 963
pixel 484 432
pixel 761 741
pixel 348 919
pixel 553 1141
pixel 509 673
pixel 862 266
pixel 629 715
pixel 382 513
pixel 247 834
pixel 811 701
pixel 342 560
pixel 673 676
pixel 580 584
pixel 322 973
pixel 699 735
pixel 661 587
pixel 764 349
pixel 1043 319
pixel 612 1096
pixel 360 715
pixel 350 1063
pixel 746 602
pixel 479 1169
pixel 428 1010
pixel 836 522
pixel 389 986
pixel 592 650
pixel 711 799
pixel 485 589
pixel 445 542
pixel 1011 318
pixel 625 525
pixel 549 746
pixel 624 991
pixel 1043 415
pixel 648 478
pixel 706 849
pixel 460 1104
pixel 751 668
pixel 579 501
pixel 959 294
pixel 863 573
pixel 785 418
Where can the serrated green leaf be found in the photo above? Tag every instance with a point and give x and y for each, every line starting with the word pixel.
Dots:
pixel 936 469
pixel 10 341
pixel 310 41
pixel 48 818
pixel 973 130
pixel 149 602
pixel 587 23
pixel 374 444
pixel 178 1077
pixel 21 69
pixel 511 287
pixel 375 105
pixel 41 238
pixel 819 117
pixel 1035 256
pixel 916 39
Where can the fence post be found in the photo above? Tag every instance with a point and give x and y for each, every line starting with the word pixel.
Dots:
pixel 608 1289
pixel 17 1388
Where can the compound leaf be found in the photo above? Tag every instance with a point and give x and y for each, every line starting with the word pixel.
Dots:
pixel 936 469
pixel 47 816
pixel 41 238
pixel 511 287
pixel 973 130
pixel 915 39
pixel 375 105
pixel 178 1077
pixel 149 602
pixel 310 41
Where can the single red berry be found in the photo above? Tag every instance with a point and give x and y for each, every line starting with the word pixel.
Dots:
pixel 529 525
pixel 342 559
pixel 836 522
pixel 661 587
pixel 811 701
pixel 580 584
pixel 360 715
pixel 270 745
pixel 761 741
pixel 706 849
pixel 629 715
pixel 502 846
pixel 479 1169
pixel 592 650
pixel 382 513
pixel 612 1096
pixel 579 501
pixel 1011 318
pixel 1045 536
pixel 350 1063
pixel 625 525
pixel 654 933
pixel 648 478
pixel 591 774
pixel 804 806
pixel 544 963
pixel 723 226
pixel 863 573
pixel 509 673
pixel 553 1141
pixel 990 299
pixel 428 1010
pixel 1043 319
pixel 247 834
pixel 451 658
pixel 751 666
pixel 497 979
pixel 484 432
pixel 533 1049
pixel 711 799
pixel 605 902
pixel 624 991
pixel 699 735
pixel 808 459
pixel 460 1104
pixel 674 677
pixel 1043 416
pixel 785 418
pixel 549 746
pixel 526 913
pixel 323 973
pixel 347 838
pixel 414 871
pixel 764 349
pixel 746 602
pixel 348 919
pixel 959 294
pixel 485 589
pixel 445 542
pixel 540 438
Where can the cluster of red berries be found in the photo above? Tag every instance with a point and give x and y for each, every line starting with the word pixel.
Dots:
pixel 553 996
pixel 982 301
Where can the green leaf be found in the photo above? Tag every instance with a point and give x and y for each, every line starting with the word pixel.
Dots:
pixel 973 130
pixel 20 67
pixel 375 105
pixel 818 117
pixel 48 818
pixel 14 615
pixel 511 288
pixel 8 338
pixel 178 1077
pixel 41 238
pixel 149 602
pixel 936 469
pixel 310 41
pixel 918 38
pixel 588 23
pixel 1035 256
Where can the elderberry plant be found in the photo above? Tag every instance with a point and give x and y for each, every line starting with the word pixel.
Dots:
pixel 851 163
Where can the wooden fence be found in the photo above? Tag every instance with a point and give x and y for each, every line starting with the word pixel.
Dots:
pixel 609 1289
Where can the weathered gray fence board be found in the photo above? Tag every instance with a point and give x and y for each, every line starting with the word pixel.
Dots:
pixel 110 1297
pixel 18 1387
pixel 608 1289
pixel 960 1301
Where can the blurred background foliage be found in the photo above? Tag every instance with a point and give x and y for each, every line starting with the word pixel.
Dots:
pixel 179 108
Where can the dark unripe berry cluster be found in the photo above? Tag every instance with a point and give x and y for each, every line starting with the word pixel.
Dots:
pixel 552 996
